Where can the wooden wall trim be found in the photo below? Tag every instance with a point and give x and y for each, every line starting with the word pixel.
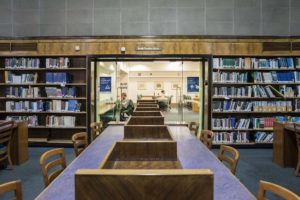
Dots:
pixel 168 46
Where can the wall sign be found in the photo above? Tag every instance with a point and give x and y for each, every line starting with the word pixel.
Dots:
pixel 192 84
pixel 105 84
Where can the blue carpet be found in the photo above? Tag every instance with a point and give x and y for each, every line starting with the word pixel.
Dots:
pixel 254 165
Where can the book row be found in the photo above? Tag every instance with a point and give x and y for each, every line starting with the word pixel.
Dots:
pixel 234 77
pixel 35 92
pixel 32 63
pixel 257 106
pixel 38 106
pixel 254 123
pixel 256 63
pixel 32 120
pixel 20 78
pixel 242 137
pixel 257 91
pixel 58 77
pixel 274 77
pixel 256 77
pixel 57 63
pixel 22 63
pixel 263 137
pixel 60 121
pixel 231 137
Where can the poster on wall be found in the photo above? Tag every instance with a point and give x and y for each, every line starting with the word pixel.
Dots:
pixel 105 84
pixel 192 84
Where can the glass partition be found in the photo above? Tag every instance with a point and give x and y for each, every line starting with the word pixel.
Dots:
pixel 177 85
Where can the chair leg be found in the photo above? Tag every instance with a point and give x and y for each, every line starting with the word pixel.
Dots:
pixel 10 166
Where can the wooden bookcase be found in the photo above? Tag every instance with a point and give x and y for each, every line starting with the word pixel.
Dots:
pixel 41 134
pixel 251 131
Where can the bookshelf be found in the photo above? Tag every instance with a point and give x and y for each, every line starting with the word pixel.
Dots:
pixel 249 94
pixel 49 92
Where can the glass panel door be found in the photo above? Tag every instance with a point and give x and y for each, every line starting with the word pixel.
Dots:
pixel 107 89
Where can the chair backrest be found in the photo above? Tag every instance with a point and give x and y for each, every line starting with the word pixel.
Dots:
pixel 47 166
pixel 96 128
pixel 5 138
pixel 207 138
pixel 5 132
pixel 80 142
pixel 232 160
pixel 278 190
pixel 15 186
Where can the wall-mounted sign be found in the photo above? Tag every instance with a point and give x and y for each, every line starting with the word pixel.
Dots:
pixel 148 48
pixel 105 84
pixel 192 84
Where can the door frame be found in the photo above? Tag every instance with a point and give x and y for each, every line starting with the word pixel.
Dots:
pixel 202 58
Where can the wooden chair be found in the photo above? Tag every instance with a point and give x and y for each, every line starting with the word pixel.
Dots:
pixel 6 129
pixel 297 134
pixel 278 190
pixel 231 160
pixel 207 138
pixel 47 166
pixel 80 142
pixel 193 126
pixel 15 186
pixel 96 129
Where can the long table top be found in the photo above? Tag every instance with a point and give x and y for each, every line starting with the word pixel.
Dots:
pixel 191 153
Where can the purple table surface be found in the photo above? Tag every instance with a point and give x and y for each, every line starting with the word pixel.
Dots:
pixel 191 153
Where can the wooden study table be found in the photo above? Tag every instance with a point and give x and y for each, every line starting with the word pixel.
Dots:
pixel 285 151
pixel 19 143
pixel 191 153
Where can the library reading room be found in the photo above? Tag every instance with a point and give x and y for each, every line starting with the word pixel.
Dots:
pixel 150 99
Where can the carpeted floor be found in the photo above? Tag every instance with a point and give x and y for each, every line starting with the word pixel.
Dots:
pixel 254 165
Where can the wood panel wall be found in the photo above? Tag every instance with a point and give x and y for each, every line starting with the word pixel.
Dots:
pixel 216 47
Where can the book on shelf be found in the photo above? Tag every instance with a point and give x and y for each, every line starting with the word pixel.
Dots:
pixel 31 120
pixel 24 106
pixel 57 77
pixel 263 137
pixel 23 92
pixel 61 92
pixel 60 121
pixel 263 123
pixel 62 106
pixel 231 63
pixel 273 77
pixel 230 123
pixel 273 63
pixel 22 63
pixel 20 78
pixel 256 63
pixel 234 77
pixel 232 106
pixel 57 63
pixel 272 106
pixel 231 137
pixel 233 91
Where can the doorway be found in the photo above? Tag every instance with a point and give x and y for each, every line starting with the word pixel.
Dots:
pixel 180 84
